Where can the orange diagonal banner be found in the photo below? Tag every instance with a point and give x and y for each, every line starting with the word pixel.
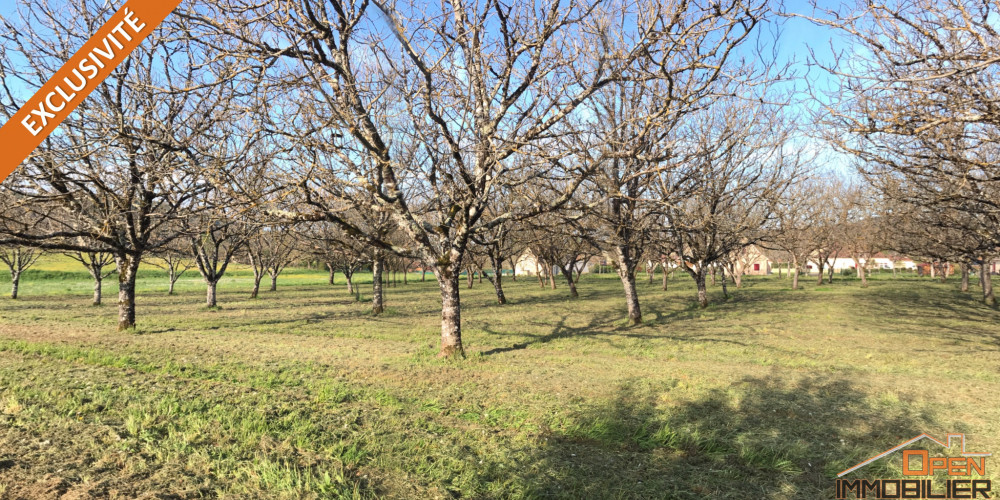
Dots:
pixel 90 66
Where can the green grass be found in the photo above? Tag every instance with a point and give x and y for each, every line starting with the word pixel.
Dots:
pixel 303 394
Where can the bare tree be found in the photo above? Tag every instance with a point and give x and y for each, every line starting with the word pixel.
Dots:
pixel 943 235
pixel 737 167
pixel 174 260
pixel 95 262
pixel 429 114
pixel 18 259
pixel 335 249
pixel 216 238
pixel 632 125
pixel 127 163
pixel 917 101
pixel 499 243
pixel 270 249
pixel 862 228
pixel 564 246
pixel 805 224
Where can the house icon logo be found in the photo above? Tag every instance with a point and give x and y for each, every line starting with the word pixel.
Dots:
pixel 964 473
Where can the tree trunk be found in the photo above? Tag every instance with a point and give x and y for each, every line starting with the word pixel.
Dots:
pixel 626 266
pixel 349 276
pixel 469 277
pixel 725 291
pixel 699 279
pixel 987 283
pixel 274 282
pixel 861 273
pixel 498 287
pixel 256 285
pixel 663 267
pixel 173 279
pixel 830 272
pixel 713 275
pixel 333 272
pixel 451 314
pixel 932 269
pixel 97 289
pixel 822 271
pixel 210 295
pixel 513 270
pixel 377 305
pixel 631 296
pixel 793 271
pixel 649 273
pixel 128 266
pixel 965 277
pixel 497 280
pixel 15 282
pixel 568 274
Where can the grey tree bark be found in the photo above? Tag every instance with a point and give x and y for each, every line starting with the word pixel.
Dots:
pixel 128 267
pixel 699 280
pixel 210 294
pixel 451 314
pixel 986 281
pixel 378 306
pixel 795 273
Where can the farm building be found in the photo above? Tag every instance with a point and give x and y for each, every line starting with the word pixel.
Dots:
pixel 528 265
pixel 753 260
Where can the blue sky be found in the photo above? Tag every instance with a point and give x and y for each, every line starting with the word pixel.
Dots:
pixel 797 36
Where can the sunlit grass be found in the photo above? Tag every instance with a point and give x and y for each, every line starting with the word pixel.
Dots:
pixel 302 393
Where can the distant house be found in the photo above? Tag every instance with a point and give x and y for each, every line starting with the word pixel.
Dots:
pixel 752 260
pixel 842 263
pixel 528 265
pixel 879 261
pixel 993 266
pixel 935 268
pixel 837 264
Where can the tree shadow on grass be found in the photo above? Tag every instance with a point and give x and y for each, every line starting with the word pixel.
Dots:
pixel 610 330
pixel 761 438
pixel 942 312
pixel 601 328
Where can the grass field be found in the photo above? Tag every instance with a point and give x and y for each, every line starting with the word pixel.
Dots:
pixel 302 394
